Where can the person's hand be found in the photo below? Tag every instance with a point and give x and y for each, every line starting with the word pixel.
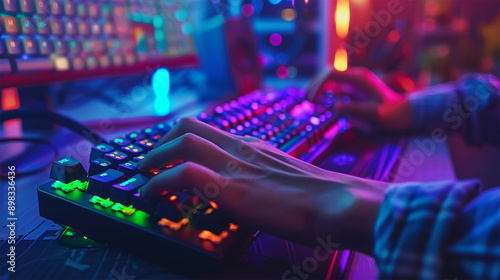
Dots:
pixel 264 188
pixel 372 99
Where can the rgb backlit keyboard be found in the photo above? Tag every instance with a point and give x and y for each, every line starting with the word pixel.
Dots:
pixel 60 36
pixel 181 228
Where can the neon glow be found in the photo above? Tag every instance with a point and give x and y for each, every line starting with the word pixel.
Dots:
pixel 217 239
pixel 340 63
pixel 69 187
pixel 10 99
pixel 342 17
pixel 161 88
pixel 247 10
pixel 282 72
pixel 173 225
pixel 275 39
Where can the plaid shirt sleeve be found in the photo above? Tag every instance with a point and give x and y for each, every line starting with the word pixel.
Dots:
pixel 440 230
pixel 470 105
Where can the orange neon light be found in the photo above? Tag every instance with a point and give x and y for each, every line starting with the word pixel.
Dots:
pixel 209 210
pixel 173 225
pixel 207 235
pixel 342 18
pixel 173 197
pixel 214 205
pixel 10 99
pixel 340 63
pixel 233 227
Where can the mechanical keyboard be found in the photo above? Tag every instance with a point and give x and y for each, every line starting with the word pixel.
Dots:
pixel 68 39
pixel 182 228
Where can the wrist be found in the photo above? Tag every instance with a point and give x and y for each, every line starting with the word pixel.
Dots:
pixel 347 212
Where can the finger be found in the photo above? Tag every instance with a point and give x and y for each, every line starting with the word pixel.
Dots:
pixel 186 176
pixel 194 126
pixel 367 111
pixel 187 147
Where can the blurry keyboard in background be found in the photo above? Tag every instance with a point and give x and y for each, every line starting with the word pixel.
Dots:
pixel 67 40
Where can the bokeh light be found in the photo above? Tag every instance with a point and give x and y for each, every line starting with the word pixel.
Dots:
pixel 282 72
pixel 288 14
pixel 275 39
pixel 274 2
pixel 247 10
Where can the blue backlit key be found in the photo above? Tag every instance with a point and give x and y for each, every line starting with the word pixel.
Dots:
pixel 146 144
pixel 100 184
pixel 99 165
pixel 116 157
pixel 129 168
pixel 132 150
pixel 120 142
pixel 123 192
pixel 100 150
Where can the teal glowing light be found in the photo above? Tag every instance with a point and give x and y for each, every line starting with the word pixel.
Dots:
pixel 181 15
pixel 187 28
pixel 274 2
pixel 161 88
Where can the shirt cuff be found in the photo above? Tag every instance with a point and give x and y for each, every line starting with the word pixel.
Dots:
pixel 415 224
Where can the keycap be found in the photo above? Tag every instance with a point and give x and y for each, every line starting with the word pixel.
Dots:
pixel 27 25
pixel 69 27
pixel 93 10
pixel 42 26
pixel 145 204
pixel 177 206
pixel 29 45
pixel 81 9
pixel 9 5
pixel 34 64
pixel 98 166
pixel 4 64
pixel 139 158
pixel 123 192
pixel 26 6
pixel 146 144
pixel 100 184
pixel 55 7
pixel 136 136
pixel 9 24
pixel 69 8
pixel 60 46
pixel 41 7
pixel 77 63
pixel 56 26
pixel 213 220
pixel 128 168
pixel 163 128
pixel 132 150
pixel 12 46
pixel 120 142
pixel 100 150
pixel 74 46
pixel 67 170
pixel 91 63
pixel 83 28
pixel 116 157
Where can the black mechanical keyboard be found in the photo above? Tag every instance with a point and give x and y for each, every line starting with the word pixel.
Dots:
pixel 182 228
pixel 68 39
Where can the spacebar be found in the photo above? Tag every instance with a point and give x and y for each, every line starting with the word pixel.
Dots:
pixel 34 64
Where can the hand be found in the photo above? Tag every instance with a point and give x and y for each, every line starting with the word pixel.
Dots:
pixel 264 188
pixel 373 100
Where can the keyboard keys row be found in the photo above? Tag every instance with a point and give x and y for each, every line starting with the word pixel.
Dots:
pixel 58 8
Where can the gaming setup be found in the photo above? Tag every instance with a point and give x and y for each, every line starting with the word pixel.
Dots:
pixel 81 217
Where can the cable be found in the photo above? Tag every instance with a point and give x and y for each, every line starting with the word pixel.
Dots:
pixel 4 175
pixel 55 118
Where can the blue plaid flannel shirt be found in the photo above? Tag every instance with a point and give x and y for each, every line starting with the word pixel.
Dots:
pixel 449 229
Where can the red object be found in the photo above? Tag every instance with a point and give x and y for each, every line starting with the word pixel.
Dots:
pixel 244 62
pixel 10 99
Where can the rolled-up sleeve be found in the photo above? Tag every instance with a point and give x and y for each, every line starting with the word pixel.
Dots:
pixel 470 106
pixel 439 230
